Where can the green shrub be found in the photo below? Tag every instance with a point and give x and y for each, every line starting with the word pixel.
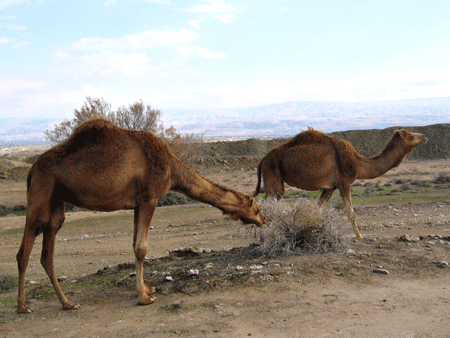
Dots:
pixel 19 207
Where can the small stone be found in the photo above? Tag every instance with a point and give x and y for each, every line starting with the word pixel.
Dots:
pixel 169 278
pixel 442 264
pixel 193 272
pixel 62 278
pixel 380 271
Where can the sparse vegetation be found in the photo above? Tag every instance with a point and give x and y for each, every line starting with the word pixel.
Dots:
pixel 442 179
pixel 300 228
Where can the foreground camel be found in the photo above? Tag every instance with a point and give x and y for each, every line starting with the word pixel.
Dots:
pixel 313 160
pixel 105 168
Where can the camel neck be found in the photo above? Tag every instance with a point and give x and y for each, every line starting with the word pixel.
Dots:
pixel 201 189
pixel 372 167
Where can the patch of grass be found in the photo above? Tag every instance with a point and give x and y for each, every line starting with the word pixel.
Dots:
pixel 8 282
pixel 8 302
pixel 10 232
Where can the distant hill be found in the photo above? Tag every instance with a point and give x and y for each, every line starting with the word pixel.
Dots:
pixel 366 142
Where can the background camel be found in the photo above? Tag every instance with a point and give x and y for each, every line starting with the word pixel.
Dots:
pixel 102 167
pixel 313 160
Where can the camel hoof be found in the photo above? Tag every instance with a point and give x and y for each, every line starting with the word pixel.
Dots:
pixel 150 291
pixel 147 301
pixel 71 306
pixel 24 309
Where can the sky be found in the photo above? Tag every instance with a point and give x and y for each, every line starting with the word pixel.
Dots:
pixel 218 53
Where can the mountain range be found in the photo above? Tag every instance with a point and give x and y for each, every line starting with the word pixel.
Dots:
pixel 267 121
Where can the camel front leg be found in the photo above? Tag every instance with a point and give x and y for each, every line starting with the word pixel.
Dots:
pixel 142 218
pixel 347 198
pixel 47 255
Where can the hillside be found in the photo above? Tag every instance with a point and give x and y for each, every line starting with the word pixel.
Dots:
pixel 366 142
pixel 238 155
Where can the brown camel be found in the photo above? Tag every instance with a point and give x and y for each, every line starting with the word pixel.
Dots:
pixel 105 168
pixel 313 160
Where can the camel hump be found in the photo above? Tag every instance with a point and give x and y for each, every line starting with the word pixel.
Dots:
pixel 310 136
pixel 91 132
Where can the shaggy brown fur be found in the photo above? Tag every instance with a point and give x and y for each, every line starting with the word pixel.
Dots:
pixel 313 160
pixel 105 168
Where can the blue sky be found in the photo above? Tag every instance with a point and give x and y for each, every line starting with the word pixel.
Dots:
pixel 218 54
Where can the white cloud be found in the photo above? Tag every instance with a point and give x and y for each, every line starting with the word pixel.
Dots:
pixel 165 2
pixel 220 10
pixel 195 23
pixel 9 3
pixel 108 63
pixel 369 87
pixel 4 40
pixel 109 2
pixel 283 9
pixel 141 40
pixel 10 86
pixel 200 51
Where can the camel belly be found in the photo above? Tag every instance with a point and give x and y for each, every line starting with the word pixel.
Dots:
pixel 310 174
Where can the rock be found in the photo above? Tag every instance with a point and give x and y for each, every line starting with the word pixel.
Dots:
pixel 62 278
pixel 408 238
pixel 183 252
pixel 3 175
pixel 442 264
pixel 104 269
pixel 193 272
pixel 169 279
pixel 350 252
pixel 380 271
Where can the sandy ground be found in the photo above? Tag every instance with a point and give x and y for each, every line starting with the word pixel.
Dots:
pixel 235 293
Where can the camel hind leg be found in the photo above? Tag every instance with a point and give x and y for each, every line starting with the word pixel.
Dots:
pixel 23 255
pixel 48 249
pixel 273 182
pixel 347 198
pixel 142 218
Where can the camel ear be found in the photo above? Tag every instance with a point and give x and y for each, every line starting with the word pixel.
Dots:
pixel 400 133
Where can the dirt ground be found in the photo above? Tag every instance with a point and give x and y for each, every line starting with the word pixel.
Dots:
pixel 383 286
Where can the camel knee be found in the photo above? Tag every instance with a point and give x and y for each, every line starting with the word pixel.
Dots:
pixel 140 253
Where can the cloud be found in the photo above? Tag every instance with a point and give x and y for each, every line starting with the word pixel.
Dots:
pixel 283 9
pixel 108 63
pixel 109 2
pixel 218 9
pixel 368 87
pixel 200 51
pixel 165 2
pixel 4 40
pixel 195 23
pixel 9 3
pixel 10 86
pixel 141 40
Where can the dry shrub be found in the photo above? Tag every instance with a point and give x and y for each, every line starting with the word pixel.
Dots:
pixel 300 227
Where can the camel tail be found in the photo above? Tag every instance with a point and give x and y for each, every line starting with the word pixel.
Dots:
pixel 29 181
pixel 258 185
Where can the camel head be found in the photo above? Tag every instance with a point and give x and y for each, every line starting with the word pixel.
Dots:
pixel 409 140
pixel 248 212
